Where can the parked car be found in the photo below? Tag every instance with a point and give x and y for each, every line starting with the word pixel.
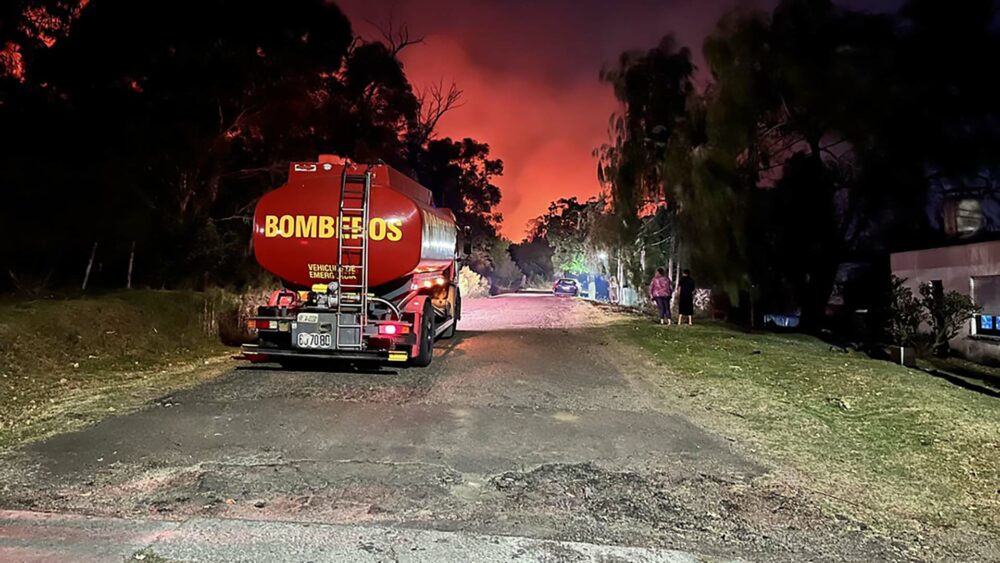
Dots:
pixel 566 286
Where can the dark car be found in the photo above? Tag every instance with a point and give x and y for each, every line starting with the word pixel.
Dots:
pixel 566 286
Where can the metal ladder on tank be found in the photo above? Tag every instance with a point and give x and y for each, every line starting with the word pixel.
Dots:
pixel 355 192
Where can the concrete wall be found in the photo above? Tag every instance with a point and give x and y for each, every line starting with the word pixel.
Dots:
pixel 955 266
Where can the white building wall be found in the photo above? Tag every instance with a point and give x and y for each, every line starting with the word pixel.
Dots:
pixel 954 266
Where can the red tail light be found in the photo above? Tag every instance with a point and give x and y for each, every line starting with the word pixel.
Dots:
pixel 262 324
pixel 393 329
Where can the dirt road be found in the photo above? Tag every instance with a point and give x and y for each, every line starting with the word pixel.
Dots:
pixel 526 425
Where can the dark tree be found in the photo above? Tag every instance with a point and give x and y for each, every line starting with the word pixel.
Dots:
pixel 534 258
pixel 461 175
pixel 157 126
pixel 819 137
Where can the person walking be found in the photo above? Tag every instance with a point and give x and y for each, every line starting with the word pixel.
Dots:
pixel 685 302
pixel 613 290
pixel 660 289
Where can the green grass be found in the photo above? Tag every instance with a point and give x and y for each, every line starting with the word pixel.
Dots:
pixel 79 359
pixel 876 438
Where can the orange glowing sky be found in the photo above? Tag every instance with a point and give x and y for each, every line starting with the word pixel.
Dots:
pixel 529 75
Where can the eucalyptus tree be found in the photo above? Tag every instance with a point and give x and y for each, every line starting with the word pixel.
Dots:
pixel 652 88
pixel 818 135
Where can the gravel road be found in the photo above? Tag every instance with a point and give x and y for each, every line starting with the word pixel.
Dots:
pixel 526 425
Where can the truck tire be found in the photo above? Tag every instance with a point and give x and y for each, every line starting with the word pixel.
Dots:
pixel 456 313
pixel 423 359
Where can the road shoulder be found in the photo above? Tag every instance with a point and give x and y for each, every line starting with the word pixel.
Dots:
pixel 34 536
pixel 113 394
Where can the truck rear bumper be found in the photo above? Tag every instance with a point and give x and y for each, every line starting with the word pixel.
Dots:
pixel 256 353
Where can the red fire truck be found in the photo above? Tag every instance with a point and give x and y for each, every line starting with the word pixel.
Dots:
pixel 370 266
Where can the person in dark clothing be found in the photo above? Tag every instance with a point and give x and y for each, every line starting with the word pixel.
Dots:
pixel 685 303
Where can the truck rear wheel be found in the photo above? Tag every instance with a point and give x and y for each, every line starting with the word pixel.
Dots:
pixel 423 359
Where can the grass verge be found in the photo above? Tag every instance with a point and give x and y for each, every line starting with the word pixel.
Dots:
pixel 986 376
pixel 883 442
pixel 68 363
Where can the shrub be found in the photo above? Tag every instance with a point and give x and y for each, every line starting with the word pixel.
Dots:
pixel 472 284
pixel 946 313
pixel 906 312
pixel 232 312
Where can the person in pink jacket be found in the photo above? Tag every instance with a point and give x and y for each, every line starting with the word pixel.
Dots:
pixel 660 289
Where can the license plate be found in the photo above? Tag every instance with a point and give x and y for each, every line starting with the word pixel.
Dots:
pixel 315 340
pixel 308 318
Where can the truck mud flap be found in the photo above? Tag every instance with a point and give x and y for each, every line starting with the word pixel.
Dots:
pixel 439 329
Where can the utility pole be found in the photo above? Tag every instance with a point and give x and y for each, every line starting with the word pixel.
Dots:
pixel 90 264
pixel 131 260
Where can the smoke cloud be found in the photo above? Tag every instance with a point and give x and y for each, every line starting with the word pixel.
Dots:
pixel 529 72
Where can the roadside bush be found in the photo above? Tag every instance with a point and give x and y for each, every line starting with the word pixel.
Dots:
pixel 946 313
pixel 232 311
pixel 906 312
pixel 719 305
pixel 472 284
pixel 47 338
pixel 505 275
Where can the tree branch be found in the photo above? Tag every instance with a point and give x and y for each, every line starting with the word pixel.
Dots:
pixel 250 172
pixel 396 39
pixel 243 218
pixel 434 103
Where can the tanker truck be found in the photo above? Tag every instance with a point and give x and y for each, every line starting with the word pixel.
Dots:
pixel 368 263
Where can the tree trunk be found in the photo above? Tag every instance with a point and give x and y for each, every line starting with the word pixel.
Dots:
pixel 131 260
pixel 622 284
pixel 90 264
